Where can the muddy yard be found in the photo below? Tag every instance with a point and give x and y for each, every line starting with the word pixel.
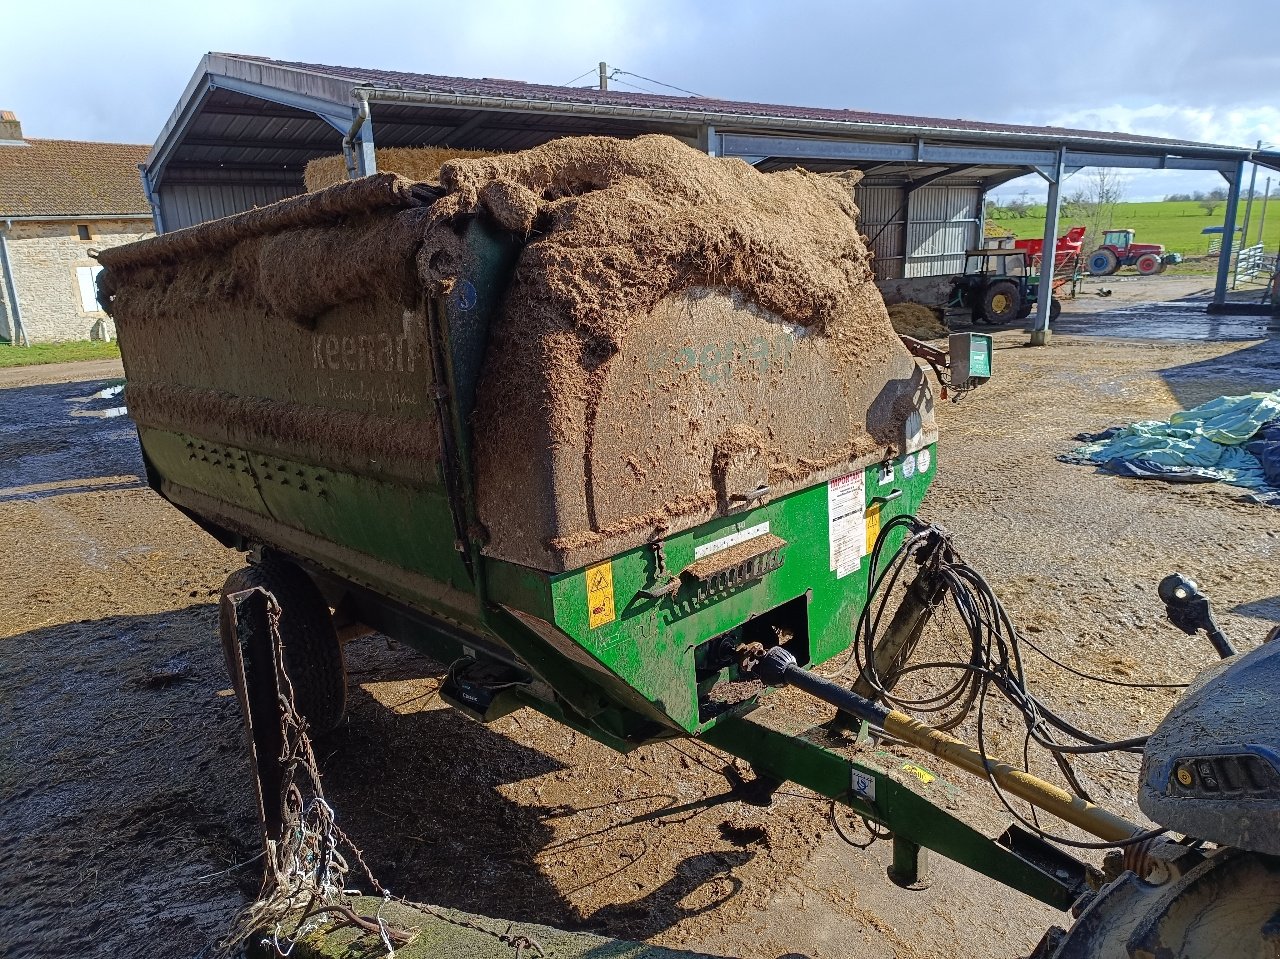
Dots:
pixel 125 827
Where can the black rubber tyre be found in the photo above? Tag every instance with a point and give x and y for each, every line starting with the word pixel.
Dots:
pixel 312 654
pixel 1001 302
pixel 1103 262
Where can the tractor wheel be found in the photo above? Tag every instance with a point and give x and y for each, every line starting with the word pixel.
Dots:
pixel 1002 302
pixel 1225 906
pixel 1149 264
pixel 312 654
pixel 1103 262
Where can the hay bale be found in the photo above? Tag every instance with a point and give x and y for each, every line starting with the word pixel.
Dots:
pixel 917 320
pixel 415 163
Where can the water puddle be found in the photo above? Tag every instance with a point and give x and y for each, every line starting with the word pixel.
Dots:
pixel 1171 320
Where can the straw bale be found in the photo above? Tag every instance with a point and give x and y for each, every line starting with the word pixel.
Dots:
pixel 917 320
pixel 413 163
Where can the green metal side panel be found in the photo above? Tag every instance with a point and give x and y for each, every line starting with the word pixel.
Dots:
pixel 401 525
pixel 649 644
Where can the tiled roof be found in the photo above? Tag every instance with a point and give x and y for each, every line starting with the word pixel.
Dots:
pixel 518 90
pixel 71 178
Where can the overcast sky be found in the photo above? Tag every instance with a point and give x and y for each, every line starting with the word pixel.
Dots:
pixel 1179 68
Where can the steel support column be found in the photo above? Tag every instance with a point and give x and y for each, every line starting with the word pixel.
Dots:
pixel 708 142
pixel 17 331
pixel 1228 234
pixel 153 201
pixel 357 145
pixel 1052 209
pixel 366 158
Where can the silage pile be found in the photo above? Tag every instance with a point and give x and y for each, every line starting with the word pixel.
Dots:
pixel 615 226
pixel 412 163
pixel 607 229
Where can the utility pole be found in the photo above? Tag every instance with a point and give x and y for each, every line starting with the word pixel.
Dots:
pixel 604 80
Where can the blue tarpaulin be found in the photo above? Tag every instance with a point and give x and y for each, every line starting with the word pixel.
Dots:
pixel 1231 439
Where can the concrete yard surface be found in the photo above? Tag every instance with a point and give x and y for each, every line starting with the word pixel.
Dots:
pixel 127 822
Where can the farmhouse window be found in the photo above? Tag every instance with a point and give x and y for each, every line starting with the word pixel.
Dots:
pixel 87 281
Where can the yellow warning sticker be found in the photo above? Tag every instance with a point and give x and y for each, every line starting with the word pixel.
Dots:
pixel 919 772
pixel 873 526
pixel 600 594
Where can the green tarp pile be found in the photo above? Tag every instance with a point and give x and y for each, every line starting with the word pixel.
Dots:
pixel 1231 439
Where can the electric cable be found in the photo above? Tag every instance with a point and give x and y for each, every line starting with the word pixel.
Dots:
pixel 995 662
pixel 579 77
pixel 628 73
pixel 634 86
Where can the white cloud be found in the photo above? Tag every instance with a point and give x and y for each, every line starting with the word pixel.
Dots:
pixel 1237 126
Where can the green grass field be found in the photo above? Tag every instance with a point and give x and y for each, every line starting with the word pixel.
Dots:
pixel 69 352
pixel 1175 225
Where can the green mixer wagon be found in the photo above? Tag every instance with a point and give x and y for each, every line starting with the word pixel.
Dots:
pixel 611 429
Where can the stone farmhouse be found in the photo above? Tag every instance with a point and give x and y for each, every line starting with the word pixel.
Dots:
pixel 59 201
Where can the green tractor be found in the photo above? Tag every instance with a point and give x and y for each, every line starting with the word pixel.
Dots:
pixel 996 287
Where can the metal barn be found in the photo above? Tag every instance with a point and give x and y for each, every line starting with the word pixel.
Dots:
pixel 246 126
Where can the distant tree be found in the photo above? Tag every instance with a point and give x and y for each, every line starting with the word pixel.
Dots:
pixel 1093 202
pixel 1179 198
pixel 1209 203
pixel 1020 206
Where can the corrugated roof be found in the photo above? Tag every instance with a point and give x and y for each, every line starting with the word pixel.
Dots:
pixel 519 90
pixel 71 178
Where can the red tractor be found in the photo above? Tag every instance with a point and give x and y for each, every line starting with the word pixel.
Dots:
pixel 1118 249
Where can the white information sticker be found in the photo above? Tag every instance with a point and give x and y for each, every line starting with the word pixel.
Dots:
pixel 922 460
pixel 864 785
pixel 909 467
pixel 732 539
pixel 846 517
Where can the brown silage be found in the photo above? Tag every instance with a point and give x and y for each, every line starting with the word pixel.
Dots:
pixel 609 229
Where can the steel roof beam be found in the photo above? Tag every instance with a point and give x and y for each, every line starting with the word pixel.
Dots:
pixel 464 129
pixel 179 165
pixel 916 184
pixel 241 143
pixel 337 115
pixel 1163 162
pixel 999 179
pixel 852 151
pixel 256 110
